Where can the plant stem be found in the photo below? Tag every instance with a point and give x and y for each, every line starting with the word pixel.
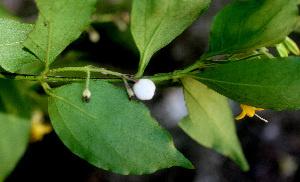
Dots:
pixel 16 76
pixel 164 77
pixel 39 78
pixel 85 69
pixel 192 67
pixel 44 77
pixel 91 68
pixel 80 79
pixel 252 56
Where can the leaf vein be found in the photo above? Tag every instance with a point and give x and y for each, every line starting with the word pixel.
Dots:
pixel 70 29
pixel 149 43
pixel 2 45
pixel 74 136
pixel 218 126
pixel 242 84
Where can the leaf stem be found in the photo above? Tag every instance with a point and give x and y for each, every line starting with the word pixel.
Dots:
pixel 46 88
pixel 88 77
pixel 141 68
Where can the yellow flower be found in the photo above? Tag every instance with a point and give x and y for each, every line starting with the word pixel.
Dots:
pixel 38 127
pixel 249 111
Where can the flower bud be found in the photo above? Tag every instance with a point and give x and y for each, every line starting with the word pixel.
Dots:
pixel 86 95
pixel 129 91
pixel 282 50
pixel 291 45
pixel 144 89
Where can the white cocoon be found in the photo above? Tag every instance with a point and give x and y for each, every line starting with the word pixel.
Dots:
pixel 144 89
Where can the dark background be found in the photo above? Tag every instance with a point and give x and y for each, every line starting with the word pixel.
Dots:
pixel 272 149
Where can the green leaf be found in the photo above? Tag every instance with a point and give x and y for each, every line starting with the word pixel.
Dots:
pixel 14 137
pixel 14 98
pixel 210 121
pixel 297 28
pixel 112 132
pixel 262 83
pixel 155 23
pixel 247 25
pixel 60 22
pixel 14 124
pixel 13 53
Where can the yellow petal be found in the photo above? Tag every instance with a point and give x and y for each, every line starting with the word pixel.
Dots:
pixel 250 111
pixel 241 116
pixel 259 109
pixel 38 131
